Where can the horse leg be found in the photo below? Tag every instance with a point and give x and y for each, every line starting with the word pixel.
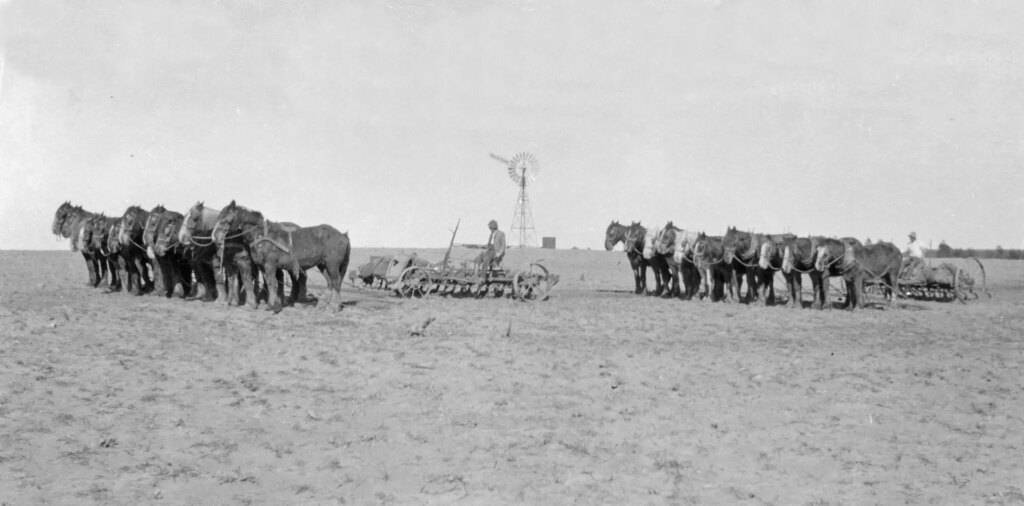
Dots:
pixel 92 267
pixel 209 282
pixel 691 278
pixel 101 268
pixel 159 282
pixel 231 282
pixel 274 279
pixel 144 265
pixel 141 281
pixel 752 286
pixel 330 273
pixel 791 289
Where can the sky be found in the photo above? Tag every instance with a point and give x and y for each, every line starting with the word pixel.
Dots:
pixel 868 119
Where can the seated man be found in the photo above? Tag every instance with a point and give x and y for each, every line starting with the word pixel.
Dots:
pixel 493 252
pixel 913 259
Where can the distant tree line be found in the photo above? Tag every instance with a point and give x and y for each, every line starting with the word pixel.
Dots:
pixel 946 251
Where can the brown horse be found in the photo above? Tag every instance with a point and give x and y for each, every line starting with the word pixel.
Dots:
pixel 632 239
pixel 797 259
pixel 769 261
pixel 149 232
pixel 829 255
pixel 241 273
pixel 101 230
pixel 879 262
pixel 275 247
pixel 675 246
pixel 136 256
pixel 715 273
pixel 175 265
pixel 741 258
pixel 68 223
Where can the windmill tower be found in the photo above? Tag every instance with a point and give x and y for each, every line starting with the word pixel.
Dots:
pixel 522 169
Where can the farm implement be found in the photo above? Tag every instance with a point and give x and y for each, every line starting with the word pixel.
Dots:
pixel 943 283
pixel 411 276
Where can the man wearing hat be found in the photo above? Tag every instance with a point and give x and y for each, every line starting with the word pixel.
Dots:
pixel 913 256
pixel 494 251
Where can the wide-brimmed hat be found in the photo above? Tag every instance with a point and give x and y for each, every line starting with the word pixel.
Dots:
pixel 493 224
pixel 913 235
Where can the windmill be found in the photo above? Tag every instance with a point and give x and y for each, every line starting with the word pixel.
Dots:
pixel 522 169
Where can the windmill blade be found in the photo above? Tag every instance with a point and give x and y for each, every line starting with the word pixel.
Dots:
pixel 514 174
pixel 500 159
pixel 526 166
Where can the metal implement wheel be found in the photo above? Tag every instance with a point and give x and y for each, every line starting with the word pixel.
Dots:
pixel 970 281
pixel 532 283
pixel 414 282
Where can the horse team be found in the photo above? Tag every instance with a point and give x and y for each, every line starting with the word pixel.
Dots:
pixel 159 250
pixel 687 264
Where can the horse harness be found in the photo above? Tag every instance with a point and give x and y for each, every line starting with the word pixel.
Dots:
pixel 266 238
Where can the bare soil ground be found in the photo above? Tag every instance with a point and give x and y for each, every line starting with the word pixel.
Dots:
pixel 596 396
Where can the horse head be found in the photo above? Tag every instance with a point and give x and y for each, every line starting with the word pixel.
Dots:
pixel 225 220
pixel 666 240
pixel 700 246
pixel 849 252
pixel 72 221
pixel 787 258
pixel 149 228
pixel 236 221
pixel 167 237
pixel 766 251
pixel 613 235
pixel 60 216
pixel 729 243
pixel 189 222
pixel 113 244
pixel 124 230
pixel 823 254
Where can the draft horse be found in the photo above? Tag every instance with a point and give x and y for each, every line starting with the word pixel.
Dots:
pixel 275 247
pixel 676 246
pixel 171 254
pixel 68 221
pixel 137 261
pixel 878 262
pixel 632 239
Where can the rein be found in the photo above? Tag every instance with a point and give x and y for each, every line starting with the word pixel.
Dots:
pixel 736 258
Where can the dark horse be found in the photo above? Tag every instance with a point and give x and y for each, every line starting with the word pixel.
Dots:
pixel 241 273
pixel 149 233
pixel 196 234
pixel 741 257
pixel 274 247
pixel 104 240
pixel 632 238
pixel 750 255
pixel 675 246
pixel 829 256
pixel 137 262
pixel 175 266
pixel 68 223
pixel 795 255
pixel 878 262
pixel 715 272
